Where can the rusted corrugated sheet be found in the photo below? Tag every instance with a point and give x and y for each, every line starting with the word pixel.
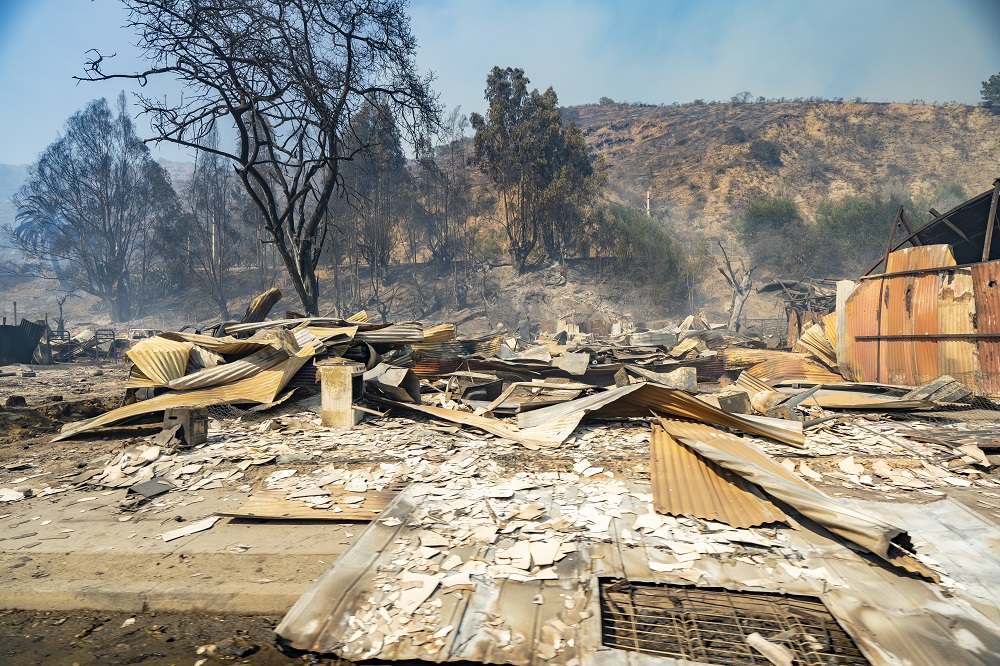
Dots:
pixel 844 290
pixel 862 312
pixel 928 323
pixel 160 359
pixel 986 284
pixel 794 366
pixel 957 316
pixel 684 483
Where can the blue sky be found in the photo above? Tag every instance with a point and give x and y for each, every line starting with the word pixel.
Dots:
pixel 655 51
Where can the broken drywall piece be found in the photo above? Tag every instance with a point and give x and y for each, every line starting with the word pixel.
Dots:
pixel 193 528
pixel 778 655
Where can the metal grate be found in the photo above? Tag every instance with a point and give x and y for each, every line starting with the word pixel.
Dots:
pixel 711 626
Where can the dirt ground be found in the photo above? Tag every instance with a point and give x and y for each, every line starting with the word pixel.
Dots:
pixel 29 638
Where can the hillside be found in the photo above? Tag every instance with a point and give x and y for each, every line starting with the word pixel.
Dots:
pixel 698 181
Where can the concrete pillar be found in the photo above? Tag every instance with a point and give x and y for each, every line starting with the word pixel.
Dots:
pixel 335 389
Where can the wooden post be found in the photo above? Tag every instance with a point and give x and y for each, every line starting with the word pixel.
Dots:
pixel 991 221
pixel 336 393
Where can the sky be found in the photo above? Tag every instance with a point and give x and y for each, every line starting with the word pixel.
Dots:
pixel 651 51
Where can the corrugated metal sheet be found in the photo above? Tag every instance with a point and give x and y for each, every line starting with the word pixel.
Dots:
pixel 230 372
pixel 406 332
pixel 844 290
pixel 941 322
pixel 225 345
pixel 883 539
pixel 339 333
pixel 791 367
pixel 957 315
pixel 359 316
pixel 485 347
pixel 862 313
pixel 646 398
pixel 685 483
pixel 18 343
pixel 986 286
pixel 161 359
pixel 815 342
pixel 262 388
pixel 440 333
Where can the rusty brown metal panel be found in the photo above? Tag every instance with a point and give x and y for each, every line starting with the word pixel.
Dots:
pixel 684 483
pixel 957 315
pixel 910 307
pixel 861 317
pixel 923 315
pixel 897 292
pixel 794 367
pixel 986 286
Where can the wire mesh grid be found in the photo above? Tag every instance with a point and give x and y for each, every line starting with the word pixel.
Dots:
pixel 711 626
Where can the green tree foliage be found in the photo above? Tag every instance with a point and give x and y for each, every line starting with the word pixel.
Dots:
pixel 991 91
pixel 93 203
pixel 641 249
pixel 858 229
pixel 605 101
pixel 766 152
pixel 780 241
pixel 769 215
pixel 539 168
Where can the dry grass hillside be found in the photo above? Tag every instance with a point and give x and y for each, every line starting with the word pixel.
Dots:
pixel 699 181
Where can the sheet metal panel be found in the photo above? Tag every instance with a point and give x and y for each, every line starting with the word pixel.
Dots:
pixel 844 290
pixel 862 312
pixel 896 356
pixel 957 315
pixel 261 388
pixel 647 398
pixel 894 619
pixel 160 359
pixel 794 367
pixel 18 343
pixel 684 483
pixel 986 285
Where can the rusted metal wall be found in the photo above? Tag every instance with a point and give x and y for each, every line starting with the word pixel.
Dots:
pixel 912 328
pixel 986 286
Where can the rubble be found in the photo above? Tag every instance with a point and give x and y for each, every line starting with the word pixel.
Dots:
pixel 505 483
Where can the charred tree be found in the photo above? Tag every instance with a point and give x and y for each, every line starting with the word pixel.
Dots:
pixel 287 75
pixel 90 206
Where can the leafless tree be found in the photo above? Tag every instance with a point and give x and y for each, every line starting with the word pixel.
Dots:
pixel 287 75
pixel 218 234
pixel 740 281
